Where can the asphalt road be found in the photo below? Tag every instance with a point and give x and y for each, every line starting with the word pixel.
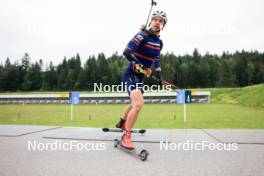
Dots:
pixel 41 150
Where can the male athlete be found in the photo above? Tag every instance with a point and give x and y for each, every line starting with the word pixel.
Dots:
pixel 142 51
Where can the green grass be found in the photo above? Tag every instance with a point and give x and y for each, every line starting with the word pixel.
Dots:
pixel 152 116
pixel 252 96
pixel 229 108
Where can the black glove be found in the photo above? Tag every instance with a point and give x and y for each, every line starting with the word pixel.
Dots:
pixel 158 77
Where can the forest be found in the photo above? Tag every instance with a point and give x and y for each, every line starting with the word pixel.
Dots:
pixel 239 69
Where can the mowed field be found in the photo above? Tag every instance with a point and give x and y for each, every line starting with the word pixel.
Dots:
pixel 229 108
pixel 152 115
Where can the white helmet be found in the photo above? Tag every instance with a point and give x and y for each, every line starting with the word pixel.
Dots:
pixel 161 14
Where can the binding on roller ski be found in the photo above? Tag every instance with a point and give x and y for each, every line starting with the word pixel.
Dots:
pixel 120 127
pixel 125 142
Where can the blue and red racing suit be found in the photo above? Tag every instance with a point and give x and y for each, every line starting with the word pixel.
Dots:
pixel 144 48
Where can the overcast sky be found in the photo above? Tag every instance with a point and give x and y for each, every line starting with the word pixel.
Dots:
pixel 52 29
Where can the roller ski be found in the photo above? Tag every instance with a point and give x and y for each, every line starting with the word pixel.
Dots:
pixel 126 145
pixel 120 127
pixel 141 131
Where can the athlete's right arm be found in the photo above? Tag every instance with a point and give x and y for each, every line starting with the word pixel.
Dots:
pixel 132 47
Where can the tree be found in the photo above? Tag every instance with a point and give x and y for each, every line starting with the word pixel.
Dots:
pixel 9 77
pixel 2 83
pixel 213 71
pixel 33 79
pixel 62 72
pixel 250 68
pixel 227 77
pixel 50 78
pixel 103 70
pixel 204 71
pixel 90 71
pixel 23 69
pixel 196 56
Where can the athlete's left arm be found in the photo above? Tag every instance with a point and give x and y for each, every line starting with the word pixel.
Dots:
pixel 158 74
pixel 157 65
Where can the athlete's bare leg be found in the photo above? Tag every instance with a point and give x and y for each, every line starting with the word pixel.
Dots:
pixel 137 103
